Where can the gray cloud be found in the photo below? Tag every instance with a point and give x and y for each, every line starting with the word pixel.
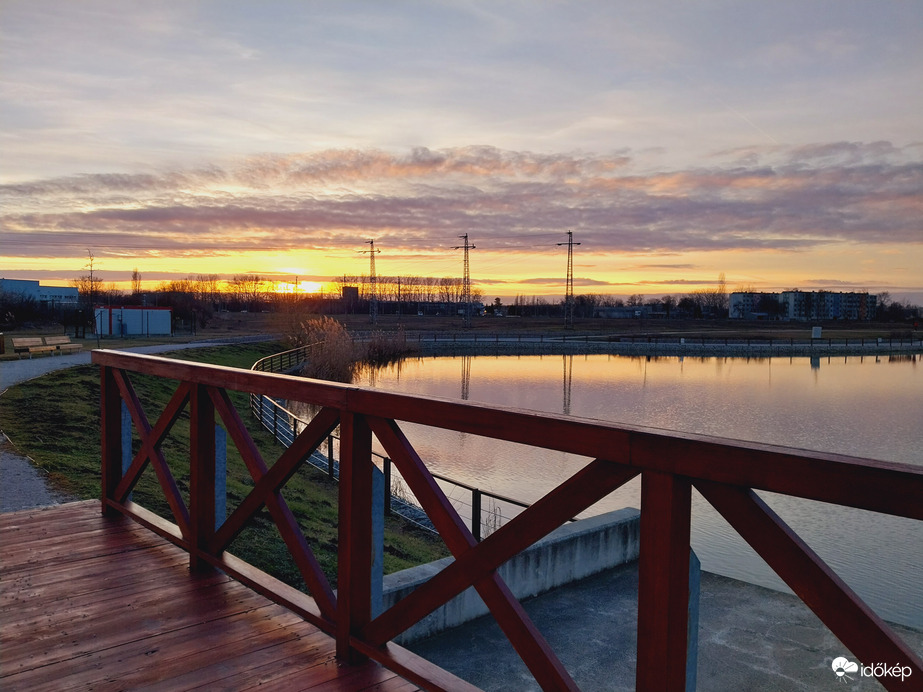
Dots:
pixel 421 200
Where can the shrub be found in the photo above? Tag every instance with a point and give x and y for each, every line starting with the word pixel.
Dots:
pixel 331 353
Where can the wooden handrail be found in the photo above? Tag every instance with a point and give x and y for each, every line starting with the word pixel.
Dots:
pixel 670 464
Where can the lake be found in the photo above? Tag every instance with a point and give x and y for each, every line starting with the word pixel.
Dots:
pixel 868 406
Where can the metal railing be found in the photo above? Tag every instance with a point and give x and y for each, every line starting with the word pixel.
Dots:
pixel 893 342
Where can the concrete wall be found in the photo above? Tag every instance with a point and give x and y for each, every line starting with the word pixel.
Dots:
pixel 572 552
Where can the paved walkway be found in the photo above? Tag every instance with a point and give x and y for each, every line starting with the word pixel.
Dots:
pixel 16 371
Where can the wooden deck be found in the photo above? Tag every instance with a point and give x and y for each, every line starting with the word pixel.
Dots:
pixel 89 602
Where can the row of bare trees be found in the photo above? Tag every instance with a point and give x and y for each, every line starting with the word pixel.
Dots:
pixel 410 289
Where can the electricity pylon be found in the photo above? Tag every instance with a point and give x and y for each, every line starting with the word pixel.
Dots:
pixel 373 282
pixel 569 289
pixel 466 280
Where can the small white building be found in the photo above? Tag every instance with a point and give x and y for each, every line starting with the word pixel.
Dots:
pixel 133 320
pixel 62 296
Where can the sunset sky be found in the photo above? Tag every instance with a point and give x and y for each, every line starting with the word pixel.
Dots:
pixel 779 143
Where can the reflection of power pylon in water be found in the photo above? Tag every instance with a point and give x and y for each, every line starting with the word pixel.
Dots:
pixel 568 381
pixel 466 377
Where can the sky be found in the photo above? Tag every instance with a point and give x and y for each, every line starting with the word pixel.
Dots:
pixel 777 143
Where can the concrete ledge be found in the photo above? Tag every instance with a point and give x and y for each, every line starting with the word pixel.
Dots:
pixel 568 554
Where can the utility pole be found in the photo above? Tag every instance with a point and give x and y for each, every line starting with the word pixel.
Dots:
pixel 569 289
pixel 373 283
pixel 466 280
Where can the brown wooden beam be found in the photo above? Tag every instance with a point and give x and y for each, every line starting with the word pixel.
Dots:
pixel 860 629
pixel 663 583
pixel 110 437
pixel 509 614
pixel 282 515
pixel 354 573
pixel 201 475
pixel 586 487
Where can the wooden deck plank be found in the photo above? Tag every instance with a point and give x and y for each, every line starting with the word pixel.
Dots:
pixel 261 666
pixel 89 602
pixel 98 574
pixel 25 525
pixel 71 547
pixel 173 654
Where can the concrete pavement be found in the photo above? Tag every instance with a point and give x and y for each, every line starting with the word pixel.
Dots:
pixel 750 638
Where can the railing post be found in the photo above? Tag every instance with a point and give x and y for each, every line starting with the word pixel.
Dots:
pixel 354 573
pixel 201 475
pixel 111 437
pixel 663 582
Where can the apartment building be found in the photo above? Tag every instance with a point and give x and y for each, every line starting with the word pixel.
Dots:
pixel 802 306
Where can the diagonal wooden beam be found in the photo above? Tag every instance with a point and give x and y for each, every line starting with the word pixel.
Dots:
pixel 151 438
pixel 282 515
pixel 150 448
pixel 586 487
pixel 503 605
pixel 860 629
pixel 285 467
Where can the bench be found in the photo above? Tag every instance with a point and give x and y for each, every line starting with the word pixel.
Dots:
pixel 30 345
pixel 63 344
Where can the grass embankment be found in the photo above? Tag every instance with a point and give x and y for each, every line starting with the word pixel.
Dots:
pixel 55 420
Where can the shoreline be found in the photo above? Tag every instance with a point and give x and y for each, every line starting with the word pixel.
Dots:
pixel 576 346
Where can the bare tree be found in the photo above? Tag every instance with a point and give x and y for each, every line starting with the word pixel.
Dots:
pixel 89 286
pixel 669 303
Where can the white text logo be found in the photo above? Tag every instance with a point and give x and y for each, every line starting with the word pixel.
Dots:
pixel 842 667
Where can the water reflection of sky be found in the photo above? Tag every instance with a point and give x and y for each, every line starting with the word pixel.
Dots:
pixel 869 407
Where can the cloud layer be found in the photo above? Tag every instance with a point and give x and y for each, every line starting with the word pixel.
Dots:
pixel 422 200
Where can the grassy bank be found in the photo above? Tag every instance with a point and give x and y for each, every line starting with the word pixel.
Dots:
pixel 55 420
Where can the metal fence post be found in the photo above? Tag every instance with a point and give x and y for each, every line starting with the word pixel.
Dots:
pixel 330 456
pixel 386 468
pixel 476 513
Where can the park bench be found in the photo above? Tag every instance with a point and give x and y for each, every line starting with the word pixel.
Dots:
pixel 63 344
pixel 30 345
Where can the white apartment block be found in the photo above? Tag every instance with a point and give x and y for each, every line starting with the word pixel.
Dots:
pixel 804 306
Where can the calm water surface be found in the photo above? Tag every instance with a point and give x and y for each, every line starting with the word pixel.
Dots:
pixel 862 406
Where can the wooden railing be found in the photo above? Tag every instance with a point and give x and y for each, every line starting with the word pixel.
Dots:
pixel 726 473
pixel 283 425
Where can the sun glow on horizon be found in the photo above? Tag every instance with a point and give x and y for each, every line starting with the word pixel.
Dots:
pixel 301 287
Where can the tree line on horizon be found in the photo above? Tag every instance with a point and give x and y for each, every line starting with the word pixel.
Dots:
pixel 197 298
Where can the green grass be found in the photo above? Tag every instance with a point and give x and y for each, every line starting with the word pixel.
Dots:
pixel 55 420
